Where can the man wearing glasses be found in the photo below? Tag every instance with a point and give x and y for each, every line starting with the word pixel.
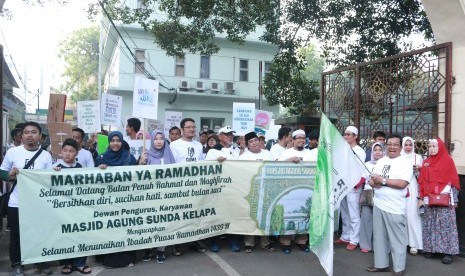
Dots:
pixel 389 180
pixel 350 206
pixel 187 149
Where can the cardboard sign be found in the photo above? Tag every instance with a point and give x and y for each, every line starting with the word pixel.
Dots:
pixel 110 110
pixel 89 116
pixel 56 108
pixel 58 132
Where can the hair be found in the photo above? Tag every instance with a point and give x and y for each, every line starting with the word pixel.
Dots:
pixel 314 134
pixel 15 131
pixel 210 131
pixel 394 135
pixel 134 123
pixel 183 121
pixel 379 133
pixel 19 125
pixel 203 132
pixel 174 128
pixel 70 142
pixel 284 131
pixel 31 123
pixel 80 130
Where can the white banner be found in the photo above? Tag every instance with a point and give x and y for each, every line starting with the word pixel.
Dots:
pixel 89 116
pixel 243 118
pixel 145 98
pixel 172 118
pixel 111 108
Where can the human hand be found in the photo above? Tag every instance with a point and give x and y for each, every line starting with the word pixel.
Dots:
pixel 57 169
pixel 13 173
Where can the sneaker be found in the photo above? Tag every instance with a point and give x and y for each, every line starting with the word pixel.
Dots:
pixel 269 247
pixel 235 245
pixel 161 257
pixel 303 247
pixel 44 269
pixel 413 251
pixel 287 249
pixel 147 256
pixel 17 271
pixel 214 246
pixel 447 259
pixel 197 246
pixel 248 249
pixel 176 250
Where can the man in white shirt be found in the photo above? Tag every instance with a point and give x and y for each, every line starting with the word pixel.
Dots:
pixel 284 137
pixel 389 179
pixel 224 150
pixel 256 153
pixel 350 205
pixel 84 157
pixel 297 154
pixel 15 159
pixel 186 149
pixel 132 127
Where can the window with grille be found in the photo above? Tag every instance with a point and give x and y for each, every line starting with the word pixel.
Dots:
pixel 243 70
pixel 140 62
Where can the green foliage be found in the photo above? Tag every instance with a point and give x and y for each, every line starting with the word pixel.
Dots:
pixel 293 81
pixel 80 53
pixel 306 209
pixel 277 218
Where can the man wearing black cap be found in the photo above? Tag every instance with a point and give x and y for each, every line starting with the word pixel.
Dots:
pixel 256 153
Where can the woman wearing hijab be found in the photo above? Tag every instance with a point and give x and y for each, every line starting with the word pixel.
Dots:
pixel 415 236
pixel 116 154
pixel 158 154
pixel 439 175
pixel 366 201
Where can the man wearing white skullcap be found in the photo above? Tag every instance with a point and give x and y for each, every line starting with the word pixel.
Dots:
pixel 350 207
pixel 297 154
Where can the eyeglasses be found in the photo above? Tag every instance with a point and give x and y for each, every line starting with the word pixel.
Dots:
pixel 393 145
pixel 190 127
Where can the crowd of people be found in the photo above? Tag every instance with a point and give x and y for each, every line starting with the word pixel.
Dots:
pixel 389 211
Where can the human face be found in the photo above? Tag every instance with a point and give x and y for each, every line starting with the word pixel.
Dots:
pixel 175 134
pixel 211 142
pixel 129 130
pixel 115 143
pixel 393 147
pixel 203 138
pixel 299 142
pixel 377 152
pixel 241 142
pixel 350 137
pixel 313 143
pixel 69 154
pixel 226 139
pixel 77 136
pixel 254 145
pixel 31 137
pixel 380 139
pixel 17 139
pixel 188 131
pixel 158 142
pixel 408 146
pixel 433 148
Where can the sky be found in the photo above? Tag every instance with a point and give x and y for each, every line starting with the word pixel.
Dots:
pixel 30 40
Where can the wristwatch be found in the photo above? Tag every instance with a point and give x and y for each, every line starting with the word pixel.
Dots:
pixel 384 182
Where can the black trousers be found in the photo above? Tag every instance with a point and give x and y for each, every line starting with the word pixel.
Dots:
pixel 15 249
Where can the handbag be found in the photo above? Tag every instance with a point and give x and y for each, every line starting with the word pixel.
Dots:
pixel 5 198
pixel 437 199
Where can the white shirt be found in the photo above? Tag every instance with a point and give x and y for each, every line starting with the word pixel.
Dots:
pixel 263 155
pixel 389 199
pixel 85 158
pixel 276 150
pixel 18 157
pixel 230 153
pixel 304 155
pixel 185 152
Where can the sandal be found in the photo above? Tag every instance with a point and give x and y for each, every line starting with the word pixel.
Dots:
pixel 83 270
pixel 413 251
pixel 67 269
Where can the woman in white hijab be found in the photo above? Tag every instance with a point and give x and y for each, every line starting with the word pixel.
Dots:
pixel 413 217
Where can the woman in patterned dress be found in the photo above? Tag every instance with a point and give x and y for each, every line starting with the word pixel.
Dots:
pixel 438 173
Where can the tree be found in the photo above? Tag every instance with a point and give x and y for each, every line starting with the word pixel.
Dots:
pixel 294 80
pixel 80 53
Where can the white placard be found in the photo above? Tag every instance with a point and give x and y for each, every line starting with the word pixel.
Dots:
pixel 172 118
pixel 243 118
pixel 145 98
pixel 137 146
pixel 111 108
pixel 89 116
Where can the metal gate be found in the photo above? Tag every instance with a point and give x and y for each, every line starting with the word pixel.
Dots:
pixel 408 94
